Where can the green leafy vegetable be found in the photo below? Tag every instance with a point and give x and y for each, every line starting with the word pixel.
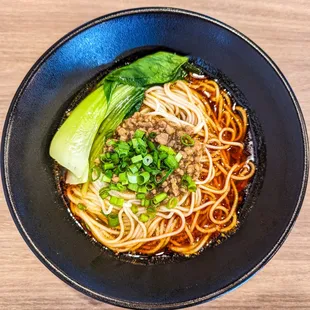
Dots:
pixel 80 140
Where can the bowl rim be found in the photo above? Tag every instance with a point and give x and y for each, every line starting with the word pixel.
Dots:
pixel 5 175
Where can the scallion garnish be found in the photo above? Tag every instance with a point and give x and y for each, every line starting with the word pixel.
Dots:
pixel 111 142
pixel 137 158
pixel 104 193
pixel 147 160
pixel 172 203
pixel 178 157
pixel 143 218
pixel 189 183
pixel 121 187
pixel 187 140
pixel 95 173
pixel 143 178
pixel 134 209
pixel 139 133
pixel 142 189
pixel 139 165
pixel 81 206
pixel 108 166
pixel 116 201
pixel 109 173
pixel 150 186
pixel 140 196
pixel 123 178
pixel 151 145
pixel 132 178
pixel 113 220
pixel 171 162
pixel 163 155
pixel 166 149
pixel 151 212
pixel 105 178
pixel 152 135
pixel 159 198
pixel 133 187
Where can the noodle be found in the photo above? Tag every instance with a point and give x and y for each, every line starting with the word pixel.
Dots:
pixel 198 217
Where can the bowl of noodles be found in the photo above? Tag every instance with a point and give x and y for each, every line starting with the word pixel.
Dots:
pixel 148 164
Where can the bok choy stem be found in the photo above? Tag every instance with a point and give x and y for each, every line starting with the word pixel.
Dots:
pixel 80 139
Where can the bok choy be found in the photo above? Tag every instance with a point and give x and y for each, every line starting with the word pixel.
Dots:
pixel 80 139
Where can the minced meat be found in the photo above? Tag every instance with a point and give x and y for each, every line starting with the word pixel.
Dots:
pixel 169 134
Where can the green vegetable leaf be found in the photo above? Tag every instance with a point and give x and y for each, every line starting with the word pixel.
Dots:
pixel 81 138
pixel 71 144
pixel 158 68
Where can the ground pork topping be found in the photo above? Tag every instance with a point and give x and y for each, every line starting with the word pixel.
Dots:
pixel 169 134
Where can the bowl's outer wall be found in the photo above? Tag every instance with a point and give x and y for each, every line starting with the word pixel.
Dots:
pixel 39 211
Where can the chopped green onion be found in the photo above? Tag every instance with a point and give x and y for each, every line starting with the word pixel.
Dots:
pixel 137 158
pixel 171 162
pixel 192 187
pixel 108 166
pixel 132 178
pixel 151 145
pixel 155 157
pixel 139 133
pixel 145 202
pixel 81 206
pixel 113 220
pixel 102 157
pixel 163 155
pixel 104 195
pixel 151 212
pixel 158 163
pixel 148 169
pixel 166 175
pixel 111 142
pixel 143 178
pixel 141 150
pixel 122 153
pixel 139 164
pixel 143 218
pixel 188 181
pixel 117 201
pixel 147 160
pixel 155 172
pixel 150 186
pixel 109 174
pixel 141 142
pixel 105 178
pixel 121 187
pixel 178 157
pixel 159 198
pixel 133 168
pixel 187 140
pixel 123 178
pixel 142 189
pixel 135 143
pixel 152 135
pixel 133 187
pixel 115 158
pixel 113 186
pixel 166 149
pixel 140 196
pixel 134 209
pixel 172 203
pixel 122 145
pixel 95 171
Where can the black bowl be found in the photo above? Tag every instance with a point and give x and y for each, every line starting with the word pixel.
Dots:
pixel 46 92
